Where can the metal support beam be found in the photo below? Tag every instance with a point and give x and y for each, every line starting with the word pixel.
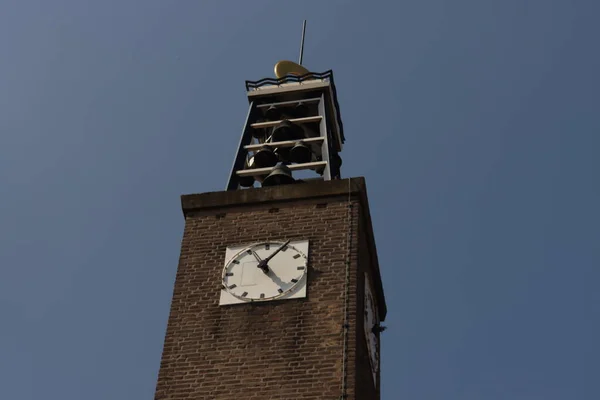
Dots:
pixel 325 145
pixel 290 103
pixel 303 120
pixel 292 167
pixel 240 157
pixel 286 143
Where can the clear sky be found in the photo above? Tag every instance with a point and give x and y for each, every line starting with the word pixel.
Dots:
pixel 476 124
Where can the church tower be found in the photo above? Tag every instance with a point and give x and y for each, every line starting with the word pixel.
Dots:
pixel 278 293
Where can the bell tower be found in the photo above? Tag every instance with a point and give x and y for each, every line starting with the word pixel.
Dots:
pixel 278 293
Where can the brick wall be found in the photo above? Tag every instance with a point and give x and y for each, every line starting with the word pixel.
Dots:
pixel 290 349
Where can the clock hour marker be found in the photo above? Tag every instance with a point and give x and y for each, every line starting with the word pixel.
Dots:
pixel 244 294
pixel 284 248
pixel 262 295
pixel 229 274
pixel 232 286
pixel 267 246
pixel 297 256
pixel 280 290
pixel 294 280
pixel 235 262
pixel 301 268
pixel 249 251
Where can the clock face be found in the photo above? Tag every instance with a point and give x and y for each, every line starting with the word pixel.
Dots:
pixel 371 319
pixel 265 271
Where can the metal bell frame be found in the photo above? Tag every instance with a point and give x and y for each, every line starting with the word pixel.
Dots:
pixel 324 139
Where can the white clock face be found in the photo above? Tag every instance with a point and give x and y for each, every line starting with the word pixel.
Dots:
pixel 264 271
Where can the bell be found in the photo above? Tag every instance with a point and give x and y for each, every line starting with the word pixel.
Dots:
pixel 319 170
pixel 283 153
pixel 250 164
pixel 272 113
pixel 286 130
pixel 300 153
pixel 281 175
pixel 247 181
pixel 336 161
pixel 265 157
pixel 301 110
pixel 313 129
pixel 258 133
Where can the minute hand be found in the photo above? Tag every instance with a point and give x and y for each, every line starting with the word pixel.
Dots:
pixel 266 260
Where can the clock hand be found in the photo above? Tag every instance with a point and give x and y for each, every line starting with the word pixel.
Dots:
pixel 264 264
pixel 256 256
pixel 277 251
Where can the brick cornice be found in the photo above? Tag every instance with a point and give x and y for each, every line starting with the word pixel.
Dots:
pixel 273 194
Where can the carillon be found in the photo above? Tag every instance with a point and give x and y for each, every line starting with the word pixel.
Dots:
pixel 293 124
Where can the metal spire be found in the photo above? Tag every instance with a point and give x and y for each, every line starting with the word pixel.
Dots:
pixel 302 42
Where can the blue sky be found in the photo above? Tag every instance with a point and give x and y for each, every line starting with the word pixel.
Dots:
pixel 476 124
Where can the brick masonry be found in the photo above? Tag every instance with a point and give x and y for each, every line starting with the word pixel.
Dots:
pixel 288 349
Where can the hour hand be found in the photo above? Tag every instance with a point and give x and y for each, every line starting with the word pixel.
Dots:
pixel 256 256
pixel 262 264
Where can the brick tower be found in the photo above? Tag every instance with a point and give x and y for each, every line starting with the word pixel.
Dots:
pixel 278 293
